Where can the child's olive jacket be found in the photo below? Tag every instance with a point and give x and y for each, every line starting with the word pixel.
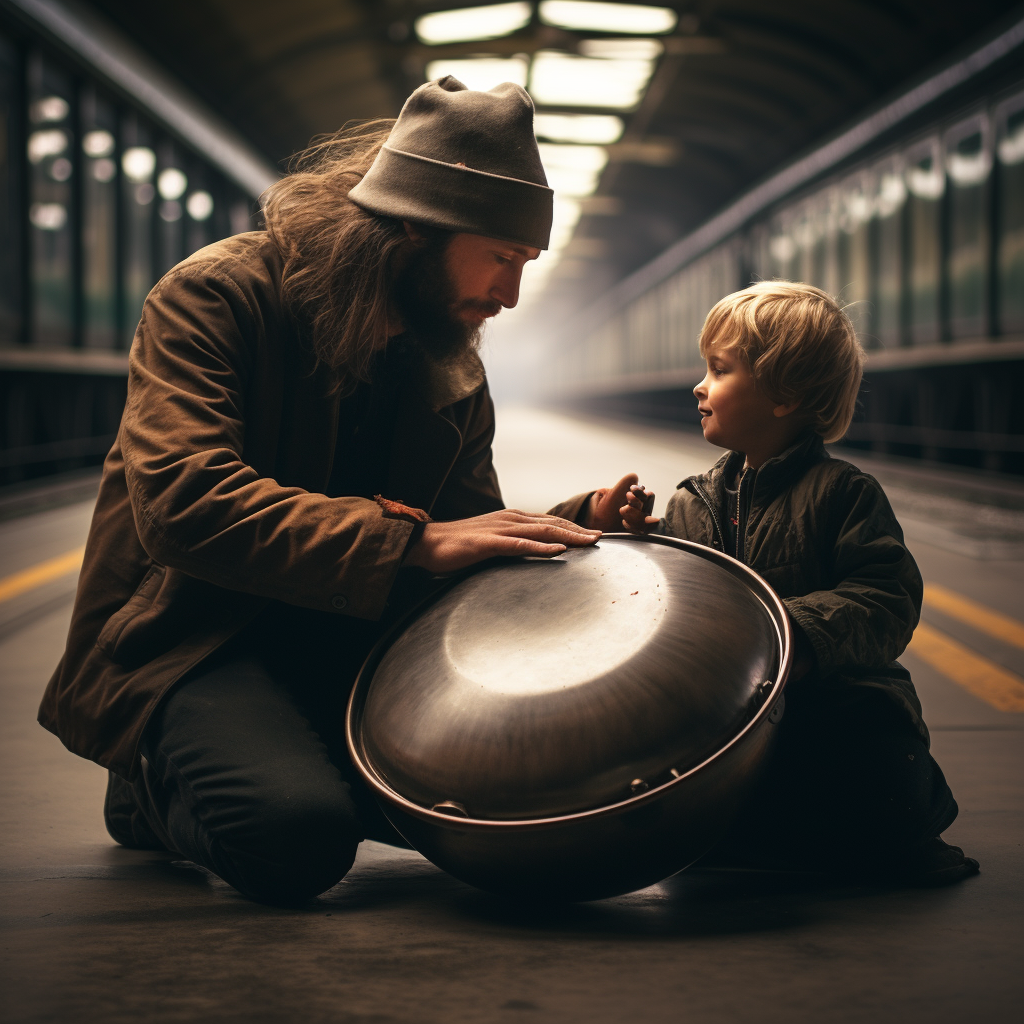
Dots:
pixel 823 534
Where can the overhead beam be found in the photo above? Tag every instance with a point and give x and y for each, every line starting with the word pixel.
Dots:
pixel 112 57
pixel 802 171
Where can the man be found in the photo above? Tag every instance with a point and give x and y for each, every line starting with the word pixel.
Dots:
pixel 307 429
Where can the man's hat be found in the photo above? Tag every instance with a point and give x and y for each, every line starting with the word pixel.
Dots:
pixel 465 161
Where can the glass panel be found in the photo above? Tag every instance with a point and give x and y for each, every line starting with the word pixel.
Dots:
pixel 11 257
pixel 99 221
pixel 854 209
pixel 968 164
pixel 818 247
pixel 1010 153
pixel 887 286
pixel 239 215
pixel 51 155
pixel 806 233
pixel 926 183
pixel 200 208
pixel 760 253
pixel 171 187
pixel 783 249
pixel 138 171
pixel 830 210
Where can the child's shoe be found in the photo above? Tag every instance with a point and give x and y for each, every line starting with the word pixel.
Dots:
pixel 933 863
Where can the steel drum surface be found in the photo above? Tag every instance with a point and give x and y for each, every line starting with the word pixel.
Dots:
pixel 582 726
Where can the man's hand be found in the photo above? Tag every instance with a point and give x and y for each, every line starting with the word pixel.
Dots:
pixel 636 512
pixel 448 547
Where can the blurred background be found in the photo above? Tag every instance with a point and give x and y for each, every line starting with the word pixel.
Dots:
pixel 873 148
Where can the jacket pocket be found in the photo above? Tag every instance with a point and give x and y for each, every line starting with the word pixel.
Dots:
pixel 110 639
pixel 167 608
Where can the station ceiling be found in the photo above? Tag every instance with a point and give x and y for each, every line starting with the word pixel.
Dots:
pixel 741 86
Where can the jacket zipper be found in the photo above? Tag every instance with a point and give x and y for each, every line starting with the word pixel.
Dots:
pixel 741 521
pixel 702 494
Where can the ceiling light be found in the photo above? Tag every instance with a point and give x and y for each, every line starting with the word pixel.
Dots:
pixel 576 158
pixel 558 79
pixel 573 170
pixel 49 108
pixel 48 216
pixel 572 181
pixel 604 17
pixel 489 22
pixel 639 49
pixel 565 214
pixel 97 143
pixel 103 170
pixel 199 205
pixel 601 129
pixel 138 163
pixel 1011 147
pixel 481 73
pixel 171 183
pixel 46 143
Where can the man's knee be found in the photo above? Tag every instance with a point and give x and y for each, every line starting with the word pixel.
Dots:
pixel 291 847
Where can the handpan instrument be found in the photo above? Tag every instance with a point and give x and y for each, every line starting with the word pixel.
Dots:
pixel 577 727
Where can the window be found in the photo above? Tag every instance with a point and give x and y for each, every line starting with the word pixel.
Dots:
pixel 887 286
pixel 855 208
pixel 926 184
pixel 99 221
pixel 11 253
pixel 968 150
pixel 138 199
pixel 172 186
pixel 1009 119
pixel 52 155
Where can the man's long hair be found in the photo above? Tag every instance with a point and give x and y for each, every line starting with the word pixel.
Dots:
pixel 339 259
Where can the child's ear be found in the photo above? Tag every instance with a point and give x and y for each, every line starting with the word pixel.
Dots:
pixel 786 408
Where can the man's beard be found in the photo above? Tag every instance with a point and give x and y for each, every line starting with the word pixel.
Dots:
pixel 427 301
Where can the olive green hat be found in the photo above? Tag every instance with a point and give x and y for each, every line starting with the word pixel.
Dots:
pixel 463 160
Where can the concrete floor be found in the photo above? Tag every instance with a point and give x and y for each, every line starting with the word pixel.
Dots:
pixel 93 932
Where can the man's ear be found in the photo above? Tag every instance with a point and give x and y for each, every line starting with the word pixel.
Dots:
pixel 786 409
pixel 415 235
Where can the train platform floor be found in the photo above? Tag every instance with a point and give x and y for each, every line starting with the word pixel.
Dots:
pixel 93 932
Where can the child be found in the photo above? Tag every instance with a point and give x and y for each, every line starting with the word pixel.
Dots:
pixel 852 784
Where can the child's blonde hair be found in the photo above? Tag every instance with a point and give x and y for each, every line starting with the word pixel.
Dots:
pixel 798 344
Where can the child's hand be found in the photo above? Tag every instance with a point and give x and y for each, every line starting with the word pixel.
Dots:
pixel 636 513
pixel 603 510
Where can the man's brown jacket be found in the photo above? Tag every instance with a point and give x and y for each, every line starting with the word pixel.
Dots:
pixel 211 502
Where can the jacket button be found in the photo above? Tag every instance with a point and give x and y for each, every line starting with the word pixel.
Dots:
pixel 339 601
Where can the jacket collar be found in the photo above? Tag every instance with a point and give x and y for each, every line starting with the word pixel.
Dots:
pixel 426 440
pixel 772 477
pixel 440 383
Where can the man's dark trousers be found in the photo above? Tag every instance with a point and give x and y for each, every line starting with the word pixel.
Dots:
pixel 247 771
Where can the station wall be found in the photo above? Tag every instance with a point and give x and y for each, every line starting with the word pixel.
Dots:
pixel 96 203
pixel 924 243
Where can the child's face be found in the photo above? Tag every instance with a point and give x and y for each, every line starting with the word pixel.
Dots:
pixel 734 413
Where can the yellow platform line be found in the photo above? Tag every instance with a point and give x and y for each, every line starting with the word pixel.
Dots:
pixel 36 575
pixel 995 624
pixel 995 685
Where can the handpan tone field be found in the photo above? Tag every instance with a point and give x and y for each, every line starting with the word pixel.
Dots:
pixel 583 726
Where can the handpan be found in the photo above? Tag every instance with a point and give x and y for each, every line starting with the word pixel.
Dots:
pixel 576 727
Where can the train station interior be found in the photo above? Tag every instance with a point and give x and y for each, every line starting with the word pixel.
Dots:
pixel 874 150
